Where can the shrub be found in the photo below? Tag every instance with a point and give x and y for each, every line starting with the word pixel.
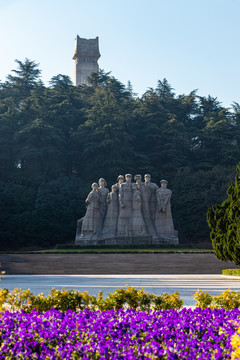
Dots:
pixel 231 272
pixel 114 301
pixel 227 300
pixel 167 301
pixel 203 299
pixel 19 299
pixel 63 300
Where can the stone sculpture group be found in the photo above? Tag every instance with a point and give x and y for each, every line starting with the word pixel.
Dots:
pixel 132 213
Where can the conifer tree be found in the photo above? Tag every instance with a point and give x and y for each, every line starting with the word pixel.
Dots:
pixel 224 221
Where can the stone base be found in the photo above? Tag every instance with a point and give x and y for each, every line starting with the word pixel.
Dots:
pixel 146 240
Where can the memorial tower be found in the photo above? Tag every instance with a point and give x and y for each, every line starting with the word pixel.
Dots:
pixel 86 55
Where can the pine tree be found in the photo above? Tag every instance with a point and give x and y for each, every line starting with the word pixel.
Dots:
pixel 224 221
pixel 26 78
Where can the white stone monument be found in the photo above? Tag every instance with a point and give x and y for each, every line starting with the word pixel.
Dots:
pixel 131 214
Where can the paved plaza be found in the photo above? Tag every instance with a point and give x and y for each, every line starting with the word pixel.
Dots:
pixel 186 285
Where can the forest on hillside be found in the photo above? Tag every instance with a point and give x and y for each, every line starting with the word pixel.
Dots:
pixel 56 140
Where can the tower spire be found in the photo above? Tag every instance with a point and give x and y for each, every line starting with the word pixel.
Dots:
pixel 86 55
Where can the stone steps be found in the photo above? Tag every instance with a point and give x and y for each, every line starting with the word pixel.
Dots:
pixel 104 264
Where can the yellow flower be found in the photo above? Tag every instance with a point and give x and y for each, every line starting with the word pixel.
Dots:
pixel 235 342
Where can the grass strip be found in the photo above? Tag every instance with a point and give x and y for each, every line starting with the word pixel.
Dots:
pixel 117 251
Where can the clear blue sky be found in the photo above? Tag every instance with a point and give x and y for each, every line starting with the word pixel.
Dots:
pixel 192 43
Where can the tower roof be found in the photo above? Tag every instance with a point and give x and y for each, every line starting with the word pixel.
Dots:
pixel 86 47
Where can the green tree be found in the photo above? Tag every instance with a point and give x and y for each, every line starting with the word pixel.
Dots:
pixel 59 204
pixel 66 112
pixel 8 126
pixel 40 147
pixel 224 221
pixel 194 191
pixel 162 128
pixel 25 78
pixel 17 203
pixel 214 135
pixel 104 141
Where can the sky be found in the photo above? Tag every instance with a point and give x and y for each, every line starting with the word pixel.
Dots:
pixel 194 44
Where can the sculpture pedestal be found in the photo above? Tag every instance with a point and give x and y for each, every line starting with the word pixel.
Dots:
pixel 146 240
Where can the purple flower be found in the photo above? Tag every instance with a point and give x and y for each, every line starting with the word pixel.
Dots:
pixel 187 334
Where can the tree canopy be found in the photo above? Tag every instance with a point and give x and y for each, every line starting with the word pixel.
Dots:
pixel 55 141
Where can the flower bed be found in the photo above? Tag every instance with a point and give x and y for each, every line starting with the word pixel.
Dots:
pixel 167 334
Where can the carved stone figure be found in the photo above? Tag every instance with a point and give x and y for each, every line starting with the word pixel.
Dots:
pixel 138 179
pixel 163 218
pixel 138 224
pixel 91 224
pixel 152 201
pixel 103 193
pixel 111 218
pixel 120 181
pixel 125 211
pixel 146 197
